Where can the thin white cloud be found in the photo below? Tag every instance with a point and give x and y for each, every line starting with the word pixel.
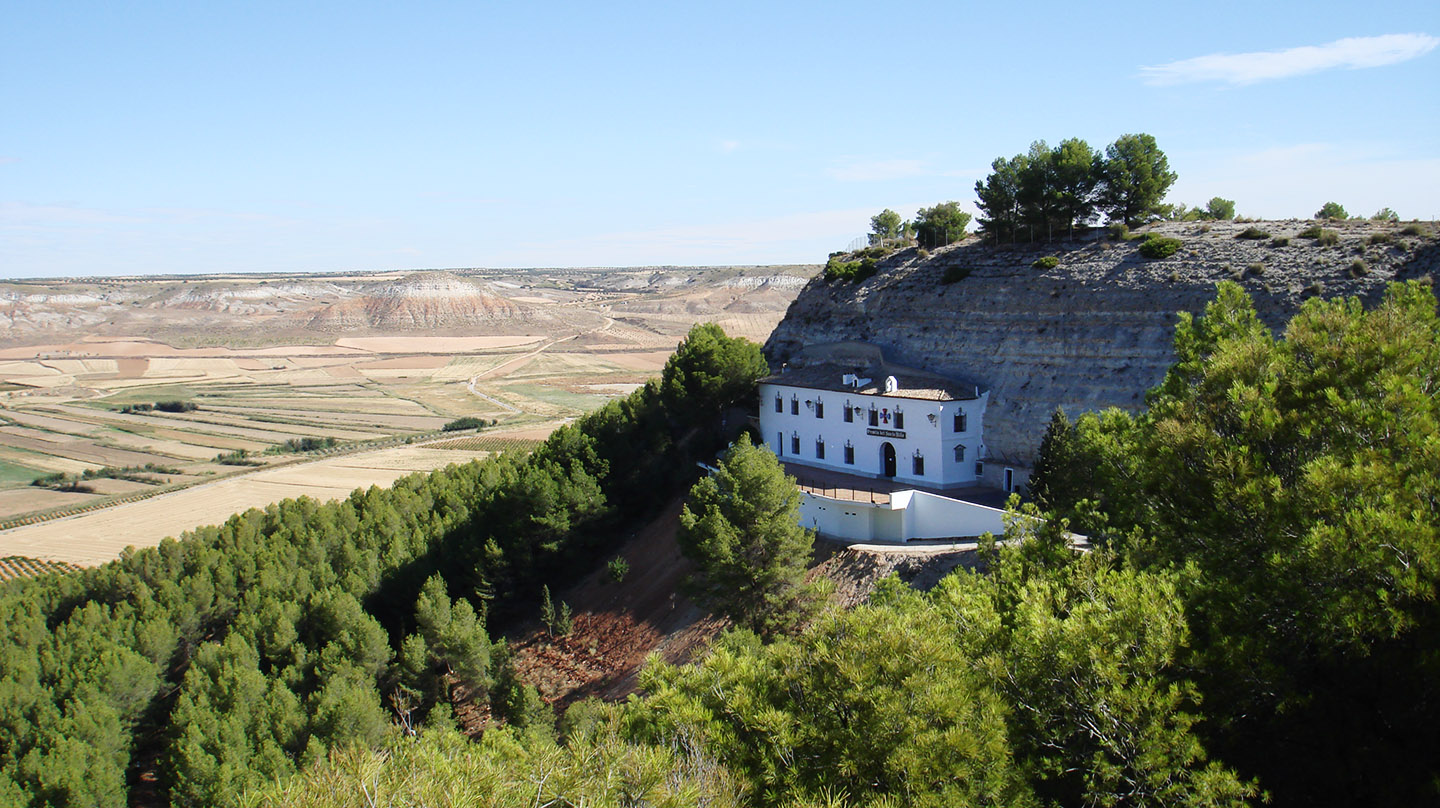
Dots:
pixel 876 170
pixel 728 146
pixel 4 160
pixel 1248 68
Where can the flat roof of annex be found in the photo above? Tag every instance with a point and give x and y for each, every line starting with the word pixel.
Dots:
pixel 825 367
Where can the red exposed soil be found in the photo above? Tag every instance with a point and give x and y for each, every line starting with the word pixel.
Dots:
pixel 618 625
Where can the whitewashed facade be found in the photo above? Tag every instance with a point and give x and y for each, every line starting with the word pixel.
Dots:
pixel 905 425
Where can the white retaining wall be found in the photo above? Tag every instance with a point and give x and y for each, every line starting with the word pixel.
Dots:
pixel 909 515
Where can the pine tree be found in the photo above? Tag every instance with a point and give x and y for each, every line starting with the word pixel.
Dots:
pixel 741 525
pixel 547 610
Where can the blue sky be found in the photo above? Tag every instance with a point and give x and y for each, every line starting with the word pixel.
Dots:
pixel 170 137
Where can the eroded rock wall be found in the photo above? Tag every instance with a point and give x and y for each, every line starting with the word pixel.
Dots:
pixel 1093 332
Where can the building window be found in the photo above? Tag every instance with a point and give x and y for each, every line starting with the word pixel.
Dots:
pixel 819 449
pixel 959 454
pixel 794 405
pixel 819 408
pixel 979 469
pixel 899 419
pixel 960 422
pixel 795 444
pixel 849 454
pixel 919 464
pixel 874 417
pixel 849 413
pixel 780 443
pixel 779 405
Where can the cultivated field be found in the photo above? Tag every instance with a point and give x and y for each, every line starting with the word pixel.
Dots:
pixel 149 407
pixel 97 536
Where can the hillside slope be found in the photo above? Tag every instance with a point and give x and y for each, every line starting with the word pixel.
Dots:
pixel 1096 330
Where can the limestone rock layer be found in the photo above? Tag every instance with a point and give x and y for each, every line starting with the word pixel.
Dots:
pixel 1095 331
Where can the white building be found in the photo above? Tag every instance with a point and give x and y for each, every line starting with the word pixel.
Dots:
pixel 843 409
pixel 848 410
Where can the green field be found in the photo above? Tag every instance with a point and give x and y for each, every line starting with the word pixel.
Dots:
pixel 12 474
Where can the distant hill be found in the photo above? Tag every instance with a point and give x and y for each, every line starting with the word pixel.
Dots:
pixel 240 310
pixel 425 301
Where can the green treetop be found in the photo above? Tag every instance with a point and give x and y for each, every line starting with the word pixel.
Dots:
pixel 1220 208
pixel 1136 177
pixel 885 226
pixel 741 525
pixel 712 371
pixel 940 225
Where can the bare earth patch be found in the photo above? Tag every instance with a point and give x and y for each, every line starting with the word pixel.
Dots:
pixel 617 626
pixel 32 498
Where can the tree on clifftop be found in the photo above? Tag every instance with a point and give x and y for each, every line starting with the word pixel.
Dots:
pixel 940 225
pixel 885 226
pixel 998 198
pixel 741 525
pixel 1220 208
pixel 1076 170
pixel 1136 177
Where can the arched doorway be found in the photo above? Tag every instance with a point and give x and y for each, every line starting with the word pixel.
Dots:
pixel 887 459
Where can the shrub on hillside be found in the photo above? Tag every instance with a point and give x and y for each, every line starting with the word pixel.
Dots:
pixel 1159 246
pixel 852 271
pixel 953 274
pixel 1414 230
pixel 1121 232
pixel 1358 269
pixel 618 568
pixel 1380 238
pixel 1280 241
pixel 1253 234
pixel 175 406
pixel 1327 238
pixel 1046 262
pixel 1313 231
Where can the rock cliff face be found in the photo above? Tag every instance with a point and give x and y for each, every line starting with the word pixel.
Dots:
pixel 1093 332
